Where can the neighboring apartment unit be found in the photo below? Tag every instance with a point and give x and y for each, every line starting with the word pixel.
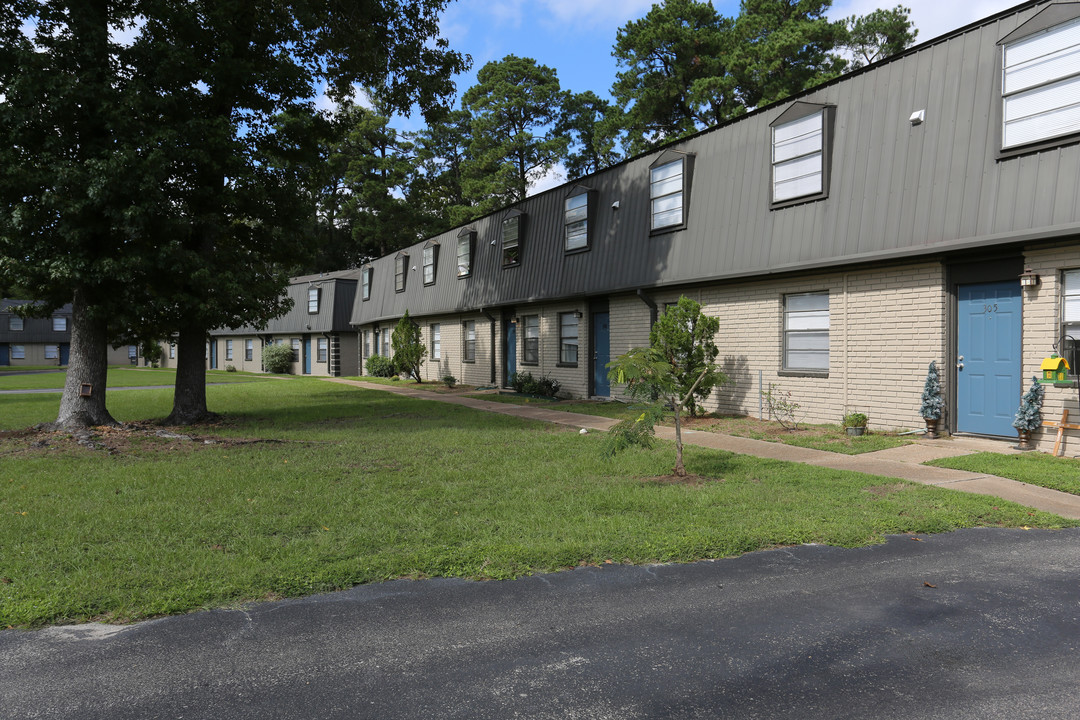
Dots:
pixel 317 328
pixel 45 341
pixel 923 208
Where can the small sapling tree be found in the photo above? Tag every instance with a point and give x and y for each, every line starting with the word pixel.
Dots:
pixel 409 348
pixel 678 367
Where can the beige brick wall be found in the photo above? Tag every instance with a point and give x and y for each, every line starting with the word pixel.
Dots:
pixel 886 325
pixel 1043 313
pixel 574 380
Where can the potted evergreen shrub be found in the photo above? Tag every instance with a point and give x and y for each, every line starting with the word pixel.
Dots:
pixel 1028 416
pixel 932 403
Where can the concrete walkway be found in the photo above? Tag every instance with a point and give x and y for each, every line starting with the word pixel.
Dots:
pixel 901 462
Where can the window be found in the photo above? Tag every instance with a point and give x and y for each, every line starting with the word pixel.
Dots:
pixel 313 294
pixel 249 350
pixel 15 323
pixel 511 238
pixel 133 354
pixel 295 349
pixel 172 351
pixel 367 343
pixel 59 324
pixel 577 222
pixel 1040 83
pixel 798 151
pixel 228 349
pixel 531 342
pixel 322 350
pixel 385 344
pixel 1070 320
pixel 401 266
pixel 666 194
pixel 806 332
pixel 436 341
pixel 431 260
pixel 18 352
pixel 469 351
pixel 52 352
pixel 365 283
pixel 466 240
pixel 568 338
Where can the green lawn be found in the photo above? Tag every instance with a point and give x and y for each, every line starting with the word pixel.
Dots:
pixel 308 486
pixel 119 377
pixel 1034 468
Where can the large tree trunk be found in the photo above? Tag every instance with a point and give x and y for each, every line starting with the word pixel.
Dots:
pixel 83 401
pixel 189 394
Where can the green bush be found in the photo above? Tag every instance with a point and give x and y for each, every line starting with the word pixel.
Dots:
pixel 855 419
pixel 277 358
pixel 379 366
pixel 230 368
pixel 450 381
pixel 526 384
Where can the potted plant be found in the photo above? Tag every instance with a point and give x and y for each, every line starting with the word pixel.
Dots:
pixel 855 423
pixel 1028 416
pixel 932 402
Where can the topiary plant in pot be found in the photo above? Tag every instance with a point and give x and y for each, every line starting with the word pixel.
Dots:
pixel 933 405
pixel 1029 416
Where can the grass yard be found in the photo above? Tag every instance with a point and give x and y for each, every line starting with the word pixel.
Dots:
pixel 1034 468
pixel 308 486
pixel 434 386
pixel 819 437
pixel 119 377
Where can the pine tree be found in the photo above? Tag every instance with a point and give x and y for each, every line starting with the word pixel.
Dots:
pixel 932 402
pixel 1028 417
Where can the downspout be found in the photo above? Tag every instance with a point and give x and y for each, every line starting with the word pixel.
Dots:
pixel 491 318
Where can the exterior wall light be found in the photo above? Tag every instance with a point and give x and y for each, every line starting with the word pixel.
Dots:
pixel 1029 278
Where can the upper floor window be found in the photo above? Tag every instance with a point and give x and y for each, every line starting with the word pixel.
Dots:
pixel 15 323
pixel 431 259
pixel 576 221
pixel 365 283
pixel 313 294
pixel 666 193
pixel 465 242
pixel 1040 82
pixel 401 267
pixel 806 332
pixel 511 238
pixel 59 324
pixel 800 148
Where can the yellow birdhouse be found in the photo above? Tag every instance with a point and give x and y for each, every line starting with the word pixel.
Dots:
pixel 1054 369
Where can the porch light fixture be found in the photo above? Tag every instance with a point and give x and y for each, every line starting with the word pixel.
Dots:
pixel 577 314
pixel 1029 278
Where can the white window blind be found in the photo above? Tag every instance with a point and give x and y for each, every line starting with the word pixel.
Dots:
pixel 1041 85
pixel 666 194
pixel 797 158
pixel 806 331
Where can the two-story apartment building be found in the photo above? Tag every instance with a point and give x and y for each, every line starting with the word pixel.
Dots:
pixel 922 208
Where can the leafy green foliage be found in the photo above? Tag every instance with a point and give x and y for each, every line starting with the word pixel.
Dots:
pixel 409 348
pixel 379 366
pixel 781 407
pixel 587 121
pixel 277 358
pixel 634 432
pixel 525 383
pixel 933 405
pixel 1029 416
pixel 450 381
pixel 855 420
pixel 878 34
pixel 679 366
pixel 513 107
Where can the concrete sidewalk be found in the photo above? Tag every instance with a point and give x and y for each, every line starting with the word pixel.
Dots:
pixel 901 462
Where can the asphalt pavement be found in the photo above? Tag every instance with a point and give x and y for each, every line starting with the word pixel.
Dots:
pixel 978 623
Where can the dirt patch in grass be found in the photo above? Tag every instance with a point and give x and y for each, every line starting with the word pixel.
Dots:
pixel 120 440
pixel 687 480
pixel 832 438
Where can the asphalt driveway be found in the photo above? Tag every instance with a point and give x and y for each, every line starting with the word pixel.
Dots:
pixel 972 624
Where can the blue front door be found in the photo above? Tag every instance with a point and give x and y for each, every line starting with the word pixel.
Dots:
pixel 988 369
pixel 65 353
pixel 307 355
pixel 4 360
pixel 601 354
pixel 511 351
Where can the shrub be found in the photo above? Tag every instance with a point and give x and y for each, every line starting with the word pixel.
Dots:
pixel 526 384
pixel 409 348
pixel 781 407
pixel 277 358
pixel 450 381
pixel 230 368
pixel 855 419
pixel 932 402
pixel 379 366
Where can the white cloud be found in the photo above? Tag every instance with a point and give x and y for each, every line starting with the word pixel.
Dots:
pixel 931 17
pixel 578 14
pixel 554 177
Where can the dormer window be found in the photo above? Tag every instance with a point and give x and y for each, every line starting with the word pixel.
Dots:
pixel 1040 83
pixel 511 238
pixel 669 184
pixel 365 283
pixel 313 295
pixel 800 150
pixel 431 261
pixel 401 267
pixel 465 244
pixel 576 219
